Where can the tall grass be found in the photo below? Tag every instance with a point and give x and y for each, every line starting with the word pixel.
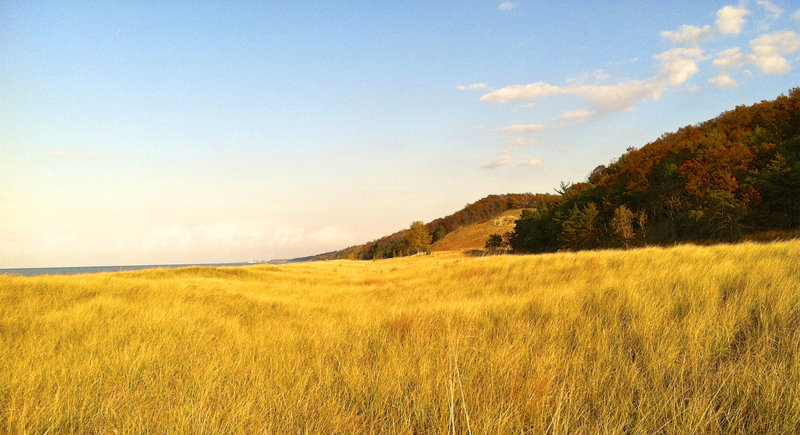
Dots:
pixel 685 339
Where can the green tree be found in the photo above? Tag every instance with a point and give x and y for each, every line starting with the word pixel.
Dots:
pixel 779 185
pixel 495 241
pixel 578 230
pixel 536 231
pixel 419 239
pixel 440 232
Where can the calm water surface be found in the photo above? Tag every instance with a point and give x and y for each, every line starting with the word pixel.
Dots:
pixel 34 271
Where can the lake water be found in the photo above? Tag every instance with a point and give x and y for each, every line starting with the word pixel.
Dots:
pixel 34 271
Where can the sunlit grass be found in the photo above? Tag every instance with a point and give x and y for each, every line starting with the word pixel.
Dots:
pixel 474 236
pixel 703 339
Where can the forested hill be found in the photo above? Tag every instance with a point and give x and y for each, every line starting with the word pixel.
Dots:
pixel 398 244
pixel 735 174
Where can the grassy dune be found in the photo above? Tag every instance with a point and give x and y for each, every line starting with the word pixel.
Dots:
pixel 474 236
pixel 678 340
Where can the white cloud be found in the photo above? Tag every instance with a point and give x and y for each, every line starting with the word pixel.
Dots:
pixel 768 55
pixel 472 86
pixel 796 16
pixel 523 128
pixel 732 59
pixel 531 162
pixel 563 148
pixel 769 51
pixel 609 97
pixel 676 66
pixel 723 81
pixel 496 162
pixel 730 19
pixel 507 6
pixel 687 34
pixel 771 8
pixel 575 114
pixel 531 91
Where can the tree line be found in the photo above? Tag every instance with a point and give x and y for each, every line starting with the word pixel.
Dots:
pixel 407 241
pixel 715 181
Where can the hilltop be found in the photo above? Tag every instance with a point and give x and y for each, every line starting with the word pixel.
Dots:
pixel 474 236
pixel 396 244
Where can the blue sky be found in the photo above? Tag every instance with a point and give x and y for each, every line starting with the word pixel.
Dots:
pixel 180 132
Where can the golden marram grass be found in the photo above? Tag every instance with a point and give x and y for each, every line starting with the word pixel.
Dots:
pixel 685 339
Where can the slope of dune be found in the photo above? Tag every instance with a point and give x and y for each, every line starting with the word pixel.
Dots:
pixel 474 236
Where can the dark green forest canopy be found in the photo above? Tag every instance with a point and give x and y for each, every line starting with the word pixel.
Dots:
pixel 735 174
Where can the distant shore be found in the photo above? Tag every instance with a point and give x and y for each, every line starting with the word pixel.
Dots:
pixel 36 271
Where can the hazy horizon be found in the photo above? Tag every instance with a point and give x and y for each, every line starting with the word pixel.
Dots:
pixel 147 133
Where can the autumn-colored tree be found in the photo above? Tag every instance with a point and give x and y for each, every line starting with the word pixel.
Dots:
pixel 622 224
pixel 419 239
pixel 714 180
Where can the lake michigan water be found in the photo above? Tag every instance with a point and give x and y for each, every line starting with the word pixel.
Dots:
pixel 34 271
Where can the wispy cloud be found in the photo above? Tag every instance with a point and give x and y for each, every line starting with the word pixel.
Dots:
pixel 575 114
pixel 772 9
pixel 531 162
pixel 496 162
pixel 597 76
pixel 723 81
pixel 730 19
pixel 676 66
pixel 691 35
pixel 523 128
pixel 470 87
pixel 731 59
pixel 507 6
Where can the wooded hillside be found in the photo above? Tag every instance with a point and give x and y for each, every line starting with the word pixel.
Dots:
pixel 397 244
pixel 715 181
